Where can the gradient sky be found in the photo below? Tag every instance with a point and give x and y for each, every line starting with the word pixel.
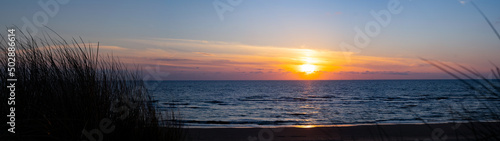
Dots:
pixel 274 40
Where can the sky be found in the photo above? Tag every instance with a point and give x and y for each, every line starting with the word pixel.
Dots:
pixel 274 40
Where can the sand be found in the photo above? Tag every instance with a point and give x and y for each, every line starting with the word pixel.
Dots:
pixel 411 132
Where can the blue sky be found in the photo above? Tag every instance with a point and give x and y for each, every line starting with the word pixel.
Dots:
pixel 449 31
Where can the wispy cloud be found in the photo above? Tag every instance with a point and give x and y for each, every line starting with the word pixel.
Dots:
pixel 205 54
pixel 173 59
pixel 86 45
pixel 375 72
pixel 201 58
pixel 111 47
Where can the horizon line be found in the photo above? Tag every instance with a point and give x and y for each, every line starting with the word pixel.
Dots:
pixel 310 80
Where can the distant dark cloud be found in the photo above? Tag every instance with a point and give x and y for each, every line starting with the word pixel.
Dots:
pixel 375 72
pixel 257 72
pixel 229 62
pixel 181 63
pixel 169 67
pixel 173 59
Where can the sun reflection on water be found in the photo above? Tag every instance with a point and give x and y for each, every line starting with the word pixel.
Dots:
pixel 305 126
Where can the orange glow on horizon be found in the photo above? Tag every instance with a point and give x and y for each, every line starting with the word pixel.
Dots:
pixel 268 63
pixel 305 126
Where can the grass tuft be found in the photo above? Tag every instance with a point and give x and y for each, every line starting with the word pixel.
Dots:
pixel 66 90
pixel 487 92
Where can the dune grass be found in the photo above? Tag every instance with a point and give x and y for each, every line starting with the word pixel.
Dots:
pixel 487 90
pixel 66 90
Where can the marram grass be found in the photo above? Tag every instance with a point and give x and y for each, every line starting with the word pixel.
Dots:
pixel 67 90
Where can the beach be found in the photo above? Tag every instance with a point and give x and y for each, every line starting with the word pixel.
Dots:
pixel 413 132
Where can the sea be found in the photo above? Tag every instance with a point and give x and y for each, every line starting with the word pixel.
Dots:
pixel 322 102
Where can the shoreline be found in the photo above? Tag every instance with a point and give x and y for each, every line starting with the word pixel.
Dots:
pixel 421 131
pixel 210 126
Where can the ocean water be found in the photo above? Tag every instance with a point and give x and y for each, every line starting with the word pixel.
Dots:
pixel 336 102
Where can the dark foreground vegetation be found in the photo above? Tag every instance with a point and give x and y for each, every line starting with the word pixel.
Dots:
pixel 486 91
pixel 66 90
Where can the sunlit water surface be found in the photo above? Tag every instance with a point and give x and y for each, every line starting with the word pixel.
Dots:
pixel 285 103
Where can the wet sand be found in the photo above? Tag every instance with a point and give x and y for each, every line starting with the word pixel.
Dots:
pixel 411 132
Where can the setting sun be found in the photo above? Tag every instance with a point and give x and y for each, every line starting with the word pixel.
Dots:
pixel 308 68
